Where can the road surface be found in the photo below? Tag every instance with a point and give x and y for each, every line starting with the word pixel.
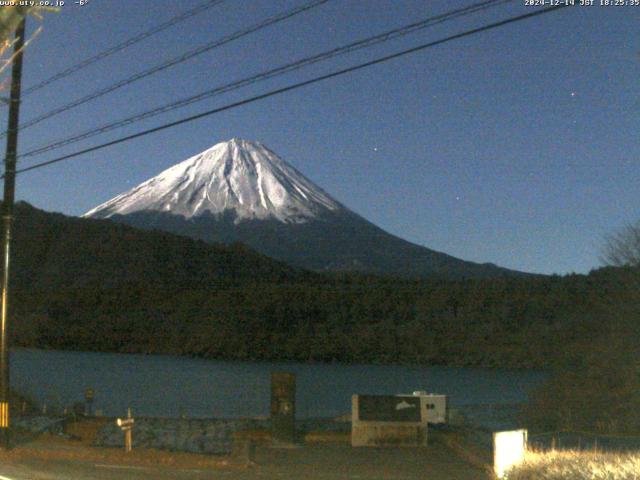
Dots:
pixel 311 462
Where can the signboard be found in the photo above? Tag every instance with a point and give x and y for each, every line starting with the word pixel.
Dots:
pixel 89 394
pixel 386 408
pixel 283 407
pixel 126 425
pixel 509 449
pixel 387 420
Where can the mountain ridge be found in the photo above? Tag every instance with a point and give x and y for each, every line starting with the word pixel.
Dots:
pixel 237 175
pixel 241 191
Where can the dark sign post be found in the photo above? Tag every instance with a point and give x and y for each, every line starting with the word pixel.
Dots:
pixel 283 407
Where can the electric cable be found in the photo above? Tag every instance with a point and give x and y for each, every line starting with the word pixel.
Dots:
pixel 360 44
pixel 174 61
pixel 123 45
pixel 296 86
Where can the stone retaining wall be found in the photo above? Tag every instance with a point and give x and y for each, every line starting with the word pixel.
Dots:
pixel 211 436
pixel 39 424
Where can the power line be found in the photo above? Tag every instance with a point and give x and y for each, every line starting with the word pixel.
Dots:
pixel 121 46
pixel 295 86
pixel 360 44
pixel 175 61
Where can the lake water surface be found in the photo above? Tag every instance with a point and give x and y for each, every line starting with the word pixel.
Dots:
pixel 170 386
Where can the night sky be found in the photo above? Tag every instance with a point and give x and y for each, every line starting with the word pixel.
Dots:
pixel 518 146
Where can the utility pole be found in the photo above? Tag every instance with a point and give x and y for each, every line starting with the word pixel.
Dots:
pixel 7 217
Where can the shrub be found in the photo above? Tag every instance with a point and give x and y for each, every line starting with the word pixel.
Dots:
pixel 577 465
pixel 596 386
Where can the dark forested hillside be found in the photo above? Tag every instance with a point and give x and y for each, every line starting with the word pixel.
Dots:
pixel 96 285
pixel 334 242
pixel 55 251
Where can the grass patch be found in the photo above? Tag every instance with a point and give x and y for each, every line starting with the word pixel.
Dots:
pixel 577 465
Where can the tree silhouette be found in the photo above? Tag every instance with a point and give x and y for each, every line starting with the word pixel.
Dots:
pixel 622 248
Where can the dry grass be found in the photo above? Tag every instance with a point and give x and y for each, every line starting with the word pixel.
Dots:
pixel 578 465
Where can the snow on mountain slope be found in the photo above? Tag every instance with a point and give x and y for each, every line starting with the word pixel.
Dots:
pixel 240 191
pixel 238 175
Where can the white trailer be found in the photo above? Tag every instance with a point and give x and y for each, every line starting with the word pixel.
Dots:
pixel 434 406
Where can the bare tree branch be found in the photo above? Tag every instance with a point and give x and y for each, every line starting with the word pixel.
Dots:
pixel 622 248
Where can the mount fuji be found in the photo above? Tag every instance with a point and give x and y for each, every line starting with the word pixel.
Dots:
pixel 240 191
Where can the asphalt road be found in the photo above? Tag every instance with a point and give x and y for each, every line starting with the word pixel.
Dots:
pixel 311 462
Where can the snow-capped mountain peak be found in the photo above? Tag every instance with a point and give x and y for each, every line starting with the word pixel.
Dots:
pixel 238 175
